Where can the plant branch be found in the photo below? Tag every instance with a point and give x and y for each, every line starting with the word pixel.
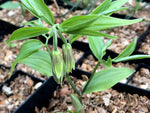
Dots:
pixel 62 37
pixel 74 88
pixel 91 77
pixel 54 39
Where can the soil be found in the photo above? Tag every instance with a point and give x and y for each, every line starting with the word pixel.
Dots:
pixel 13 94
pixel 108 101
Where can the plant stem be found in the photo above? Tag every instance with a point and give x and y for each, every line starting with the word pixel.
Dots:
pixel 62 37
pixel 74 88
pixel 91 77
pixel 54 39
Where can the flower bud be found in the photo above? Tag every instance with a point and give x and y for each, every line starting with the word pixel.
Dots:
pixel 68 57
pixel 57 62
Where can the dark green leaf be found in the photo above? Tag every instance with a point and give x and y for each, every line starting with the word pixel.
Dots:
pixel 10 5
pixel 133 57
pixel 127 51
pixel 40 61
pixel 105 79
pixel 27 32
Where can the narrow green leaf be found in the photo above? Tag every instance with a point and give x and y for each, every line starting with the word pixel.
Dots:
pixel 73 38
pixel 106 46
pixel 105 22
pixel 133 57
pixel 43 11
pixel 105 79
pixel 10 5
pixel 117 4
pixel 77 22
pixel 27 32
pixel 77 104
pixel 34 23
pixel 27 5
pixel 107 63
pixel 27 48
pixel 90 33
pixel 128 50
pixel 102 7
pixel 96 45
pixel 39 9
pixel 40 61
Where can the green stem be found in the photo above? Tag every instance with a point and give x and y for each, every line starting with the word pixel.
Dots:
pixel 54 39
pixel 91 77
pixel 62 37
pixel 74 88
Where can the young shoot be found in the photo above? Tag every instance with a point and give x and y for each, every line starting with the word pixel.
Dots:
pixel 59 65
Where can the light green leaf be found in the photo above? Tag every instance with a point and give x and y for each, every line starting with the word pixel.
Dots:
pixel 40 10
pixel 27 32
pixel 73 38
pixel 106 46
pixel 117 4
pixel 105 79
pixel 34 23
pixel 96 45
pixel 27 48
pixel 105 22
pixel 77 22
pixel 77 104
pixel 43 11
pixel 102 7
pixel 27 4
pixel 10 5
pixel 107 63
pixel 40 61
pixel 133 57
pixel 127 51
pixel 91 33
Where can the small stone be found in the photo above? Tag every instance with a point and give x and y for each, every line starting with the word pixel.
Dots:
pixel 37 85
pixel 7 90
pixel 3 102
pixel 101 110
pixel 10 107
pixel 144 86
pixel 11 13
pixel 30 82
pixel 64 91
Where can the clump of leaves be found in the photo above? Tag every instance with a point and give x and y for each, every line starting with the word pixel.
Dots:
pixel 52 63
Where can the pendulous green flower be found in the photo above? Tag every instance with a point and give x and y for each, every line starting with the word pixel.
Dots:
pixel 68 58
pixel 58 65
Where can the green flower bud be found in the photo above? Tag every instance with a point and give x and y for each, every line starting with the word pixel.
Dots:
pixel 68 57
pixel 57 62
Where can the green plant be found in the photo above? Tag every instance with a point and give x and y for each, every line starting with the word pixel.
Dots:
pixel 10 5
pixel 51 63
